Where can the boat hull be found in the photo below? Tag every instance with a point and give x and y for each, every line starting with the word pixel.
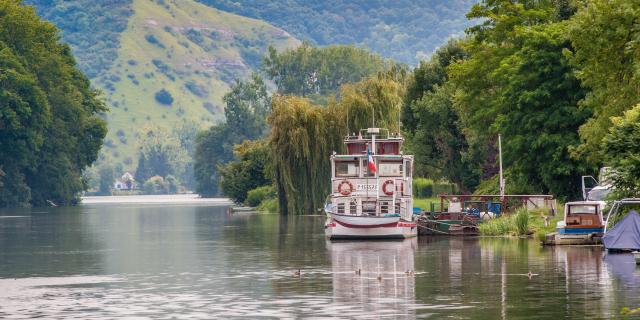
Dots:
pixel 343 230
pixel 556 239
pixel 432 227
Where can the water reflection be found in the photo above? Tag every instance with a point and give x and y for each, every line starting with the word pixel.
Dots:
pixel 113 261
pixel 377 277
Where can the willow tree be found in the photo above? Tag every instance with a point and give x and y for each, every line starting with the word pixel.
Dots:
pixel 304 135
pixel 372 102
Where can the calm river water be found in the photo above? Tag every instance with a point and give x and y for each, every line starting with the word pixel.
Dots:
pixel 160 260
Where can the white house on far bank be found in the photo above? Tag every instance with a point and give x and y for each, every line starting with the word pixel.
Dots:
pixel 126 182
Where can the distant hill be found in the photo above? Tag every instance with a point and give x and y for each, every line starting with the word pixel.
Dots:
pixel 172 60
pixel 405 30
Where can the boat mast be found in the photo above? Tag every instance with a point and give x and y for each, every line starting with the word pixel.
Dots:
pixel 501 177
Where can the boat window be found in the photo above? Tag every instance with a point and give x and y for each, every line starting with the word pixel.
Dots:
pixel 347 169
pixel 388 169
pixel 597 194
pixel 353 207
pixel 408 171
pixel 583 209
pixel 369 207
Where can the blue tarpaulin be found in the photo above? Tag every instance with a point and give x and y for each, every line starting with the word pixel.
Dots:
pixel 625 234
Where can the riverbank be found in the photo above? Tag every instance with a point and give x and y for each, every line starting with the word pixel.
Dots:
pixel 155 199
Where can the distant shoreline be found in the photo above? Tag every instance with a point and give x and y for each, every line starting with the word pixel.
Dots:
pixel 156 199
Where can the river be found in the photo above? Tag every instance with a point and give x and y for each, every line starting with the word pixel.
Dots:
pixel 161 260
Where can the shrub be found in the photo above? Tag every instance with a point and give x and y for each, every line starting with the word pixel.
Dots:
pixel 153 40
pixel 422 188
pixel 164 97
pixel 443 187
pixel 155 185
pixel 269 205
pixel 196 89
pixel 172 184
pixel 258 195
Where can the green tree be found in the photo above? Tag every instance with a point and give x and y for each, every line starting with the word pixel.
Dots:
pixel 432 125
pixel 247 105
pixel 247 172
pixel 622 149
pixel 303 135
pixel 604 35
pixel 161 154
pixel 107 177
pixel 518 83
pixel 315 73
pixel 43 94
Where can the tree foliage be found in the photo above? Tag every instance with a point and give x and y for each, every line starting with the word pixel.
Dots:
pixel 431 124
pixel 304 135
pixel 518 83
pixel 247 172
pixel 622 149
pixel 43 96
pixel 312 72
pixel 247 105
pixel 161 154
pixel 606 52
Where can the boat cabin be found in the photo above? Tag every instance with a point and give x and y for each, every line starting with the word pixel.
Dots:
pixel 582 217
pixel 379 188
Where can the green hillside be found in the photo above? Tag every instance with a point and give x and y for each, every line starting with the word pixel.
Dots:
pixel 183 48
pixel 191 51
pixel 404 30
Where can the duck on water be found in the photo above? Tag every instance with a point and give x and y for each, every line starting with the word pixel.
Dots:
pixel 371 189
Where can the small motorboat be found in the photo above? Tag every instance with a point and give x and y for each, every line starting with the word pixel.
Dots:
pixel 582 225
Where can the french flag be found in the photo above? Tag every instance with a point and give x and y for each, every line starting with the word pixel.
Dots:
pixel 372 165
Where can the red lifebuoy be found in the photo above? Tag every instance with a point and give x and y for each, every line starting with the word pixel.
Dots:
pixel 384 187
pixel 345 192
pixel 390 192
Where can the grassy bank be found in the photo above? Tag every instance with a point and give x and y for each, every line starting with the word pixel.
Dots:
pixel 522 222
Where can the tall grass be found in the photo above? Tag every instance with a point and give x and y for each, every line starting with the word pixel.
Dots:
pixel 519 223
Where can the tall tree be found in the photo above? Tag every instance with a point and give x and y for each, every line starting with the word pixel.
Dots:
pixel 303 135
pixel 604 35
pixel 43 95
pixel 518 83
pixel 312 72
pixel 246 109
pixel 432 125
pixel 622 149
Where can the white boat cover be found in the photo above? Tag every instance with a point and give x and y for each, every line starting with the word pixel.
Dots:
pixel 625 235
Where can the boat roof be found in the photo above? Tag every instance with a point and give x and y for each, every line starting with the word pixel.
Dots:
pixel 345 156
pixel 587 202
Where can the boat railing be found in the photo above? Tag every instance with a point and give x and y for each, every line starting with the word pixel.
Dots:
pixel 380 208
pixel 382 133
pixel 616 207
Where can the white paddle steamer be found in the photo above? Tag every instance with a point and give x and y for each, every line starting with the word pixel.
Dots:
pixel 371 189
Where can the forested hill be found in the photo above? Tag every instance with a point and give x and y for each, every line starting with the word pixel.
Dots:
pixel 160 63
pixel 405 30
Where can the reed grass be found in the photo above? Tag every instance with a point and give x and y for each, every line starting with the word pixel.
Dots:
pixel 522 222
